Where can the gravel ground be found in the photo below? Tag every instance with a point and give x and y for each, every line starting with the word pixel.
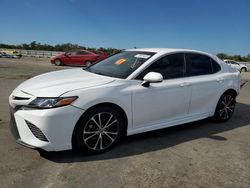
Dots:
pixel 199 154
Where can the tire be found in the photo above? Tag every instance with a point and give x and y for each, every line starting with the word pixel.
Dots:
pixel 243 69
pixel 58 62
pixel 88 63
pixel 90 134
pixel 225 107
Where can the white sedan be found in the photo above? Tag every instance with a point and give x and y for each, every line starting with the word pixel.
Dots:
pixel 239 67
pixel 131 92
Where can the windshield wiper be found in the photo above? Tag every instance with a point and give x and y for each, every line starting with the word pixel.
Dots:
pixel 100 73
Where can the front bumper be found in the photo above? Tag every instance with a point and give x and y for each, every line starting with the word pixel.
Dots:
pixel 56 125
pixel 52 61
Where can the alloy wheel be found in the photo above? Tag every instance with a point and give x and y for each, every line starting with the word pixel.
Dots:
pixel 226 108
pixel 88 63
pixel 58 62
pixel 101 131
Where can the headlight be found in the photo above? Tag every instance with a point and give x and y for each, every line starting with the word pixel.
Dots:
pixel 45 103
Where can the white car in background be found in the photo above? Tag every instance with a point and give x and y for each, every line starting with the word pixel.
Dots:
pixel 131 92
pixel 239 67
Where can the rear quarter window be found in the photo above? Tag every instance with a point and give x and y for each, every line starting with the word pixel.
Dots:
pixel 216 67
pixel 199 64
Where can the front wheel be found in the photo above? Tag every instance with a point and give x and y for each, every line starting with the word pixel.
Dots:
pixel 225 107
pixel 98 130
pixel 58 62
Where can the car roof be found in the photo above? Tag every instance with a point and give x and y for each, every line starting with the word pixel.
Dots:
pixel 167 50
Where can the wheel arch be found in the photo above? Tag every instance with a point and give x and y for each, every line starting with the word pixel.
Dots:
pixel 243 69
pixel 232 91
pixel 108 104
pixel 215 114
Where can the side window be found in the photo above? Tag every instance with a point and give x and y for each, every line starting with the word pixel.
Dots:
pixel 81 53
pixel 198 64
pixel 215 65
pixel 170 66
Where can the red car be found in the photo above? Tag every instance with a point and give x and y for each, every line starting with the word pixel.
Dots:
pixel 78 57
pixel 101 54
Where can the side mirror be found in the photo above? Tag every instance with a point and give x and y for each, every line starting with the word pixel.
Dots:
pixel 151 77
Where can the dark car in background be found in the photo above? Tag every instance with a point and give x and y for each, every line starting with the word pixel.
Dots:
pixel 76 57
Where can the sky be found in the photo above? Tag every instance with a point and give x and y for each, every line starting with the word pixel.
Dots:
pixel 210 25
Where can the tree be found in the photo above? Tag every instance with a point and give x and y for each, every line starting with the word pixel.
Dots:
pixel 222 56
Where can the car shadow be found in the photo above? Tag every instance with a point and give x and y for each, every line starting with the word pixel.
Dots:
pixel 160 139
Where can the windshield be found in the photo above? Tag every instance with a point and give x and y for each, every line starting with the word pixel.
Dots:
pixel 121 65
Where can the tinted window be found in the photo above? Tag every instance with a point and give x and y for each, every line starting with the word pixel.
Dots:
pixel 198 64
pixel 170 66
pixel 215 65
pixel 71 53
pixel 81 53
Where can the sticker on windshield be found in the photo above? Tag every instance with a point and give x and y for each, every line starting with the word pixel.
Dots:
pixel 120 61
pixel 143 56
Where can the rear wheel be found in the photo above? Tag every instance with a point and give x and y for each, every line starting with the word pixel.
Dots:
pixel 98 130
pixel 225 107
pixel 88 63
pixel 58 62
pixel 243 69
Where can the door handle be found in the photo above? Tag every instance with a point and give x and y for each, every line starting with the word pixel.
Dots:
pixel 184 84
pixel 220 79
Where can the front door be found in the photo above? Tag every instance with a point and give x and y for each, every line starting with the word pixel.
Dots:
pixel 165 101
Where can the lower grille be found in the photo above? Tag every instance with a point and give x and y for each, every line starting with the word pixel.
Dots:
pixel 13 126
pixel 36 132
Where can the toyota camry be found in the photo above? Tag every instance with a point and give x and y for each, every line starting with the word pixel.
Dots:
pixel 134 91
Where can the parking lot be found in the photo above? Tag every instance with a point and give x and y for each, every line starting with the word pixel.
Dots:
pixel 199 154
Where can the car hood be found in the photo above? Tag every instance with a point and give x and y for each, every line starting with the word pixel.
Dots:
pixel 54 84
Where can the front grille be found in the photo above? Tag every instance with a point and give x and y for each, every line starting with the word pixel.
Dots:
pixel 36 131
pixel 13 126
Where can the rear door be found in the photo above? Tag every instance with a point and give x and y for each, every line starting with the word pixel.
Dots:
pixel 206 82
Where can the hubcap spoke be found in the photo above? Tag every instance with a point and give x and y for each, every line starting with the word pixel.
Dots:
pixel 99 119
pixel 93 119
pixel 111 116
pixel 86 139
pixel 101 141
pixel 110 124
pixel 112 133
pixel 109 136
pixel 230 100
pixel 97 142
pixel 221 112
pixel 223 102
pixel 90 132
